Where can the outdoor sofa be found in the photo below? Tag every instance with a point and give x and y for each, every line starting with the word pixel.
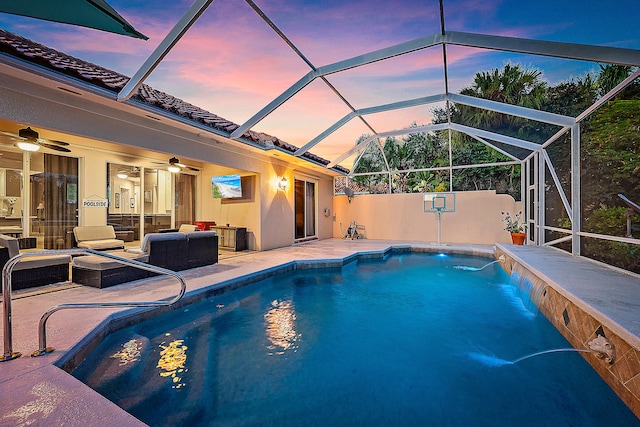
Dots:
pixel 179 251
pixel 102 272
pixel 97 237
pixel 32 271
pixel 173 251
pixel 184 228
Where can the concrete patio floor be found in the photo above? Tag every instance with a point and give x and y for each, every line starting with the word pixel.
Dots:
pixel 36 392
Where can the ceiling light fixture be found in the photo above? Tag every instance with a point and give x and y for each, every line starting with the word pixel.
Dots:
pixel 28 146
pixel 174 165
pixel 122 175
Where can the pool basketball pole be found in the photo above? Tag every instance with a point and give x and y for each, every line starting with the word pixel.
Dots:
pixel 439 203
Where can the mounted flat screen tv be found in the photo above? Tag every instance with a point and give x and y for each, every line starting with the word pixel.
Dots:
pixel 226 187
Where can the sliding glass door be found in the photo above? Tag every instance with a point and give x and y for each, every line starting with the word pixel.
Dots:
pixel 124 194
pixel 54 198
pixel 160 199
pixel 305 209
pixel 185 204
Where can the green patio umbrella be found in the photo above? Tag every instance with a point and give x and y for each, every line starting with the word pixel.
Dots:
pixel 84 13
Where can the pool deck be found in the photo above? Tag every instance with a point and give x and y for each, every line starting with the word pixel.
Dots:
pixel 36 392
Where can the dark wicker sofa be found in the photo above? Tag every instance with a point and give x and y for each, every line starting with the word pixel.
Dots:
pixel 33 271
pixel 173 251
pixel 180 251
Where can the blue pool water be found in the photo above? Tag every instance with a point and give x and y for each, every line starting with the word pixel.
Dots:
pixel 408 341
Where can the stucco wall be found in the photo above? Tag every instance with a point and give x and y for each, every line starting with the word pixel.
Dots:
pixel 325 201
pixel 268 215
pixel 401 217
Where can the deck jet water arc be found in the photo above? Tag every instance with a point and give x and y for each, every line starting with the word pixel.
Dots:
pixel 600 346
pixel 496 361
pixel 467 268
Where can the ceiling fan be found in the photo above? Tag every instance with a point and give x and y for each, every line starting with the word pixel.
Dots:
pixel 29 140
pixel 174 165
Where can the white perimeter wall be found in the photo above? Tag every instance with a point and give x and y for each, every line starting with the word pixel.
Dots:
pixel 401 217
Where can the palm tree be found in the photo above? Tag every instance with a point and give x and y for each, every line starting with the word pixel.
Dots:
pixel 610 75
pixel 511 85
pixel 400 157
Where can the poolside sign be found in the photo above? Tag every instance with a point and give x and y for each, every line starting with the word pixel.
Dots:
pixel 95 203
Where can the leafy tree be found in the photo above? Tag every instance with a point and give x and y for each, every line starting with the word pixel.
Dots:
pixel 429 150
pixel 610 157
pixel 511 85
pixel 572 97
pixel 612 75
pixel 611 154
pixel 611 221
pixel 370 160
pixel 610 150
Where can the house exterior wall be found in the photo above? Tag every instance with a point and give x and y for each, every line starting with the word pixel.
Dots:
pixel 101 134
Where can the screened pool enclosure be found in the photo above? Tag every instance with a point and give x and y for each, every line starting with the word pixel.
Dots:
pixel 423 96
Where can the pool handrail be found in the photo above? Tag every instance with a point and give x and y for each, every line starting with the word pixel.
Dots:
pixel 9 354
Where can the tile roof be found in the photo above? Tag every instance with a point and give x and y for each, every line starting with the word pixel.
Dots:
pixel 36 53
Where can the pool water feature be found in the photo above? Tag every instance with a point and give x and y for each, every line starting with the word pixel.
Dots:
pixel 494 361
pixel 389 342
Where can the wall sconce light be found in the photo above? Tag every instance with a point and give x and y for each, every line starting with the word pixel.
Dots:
pixel 282 184
pixel 122 175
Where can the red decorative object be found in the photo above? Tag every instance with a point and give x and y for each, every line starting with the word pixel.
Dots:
pixel 204 225
pixel 518 238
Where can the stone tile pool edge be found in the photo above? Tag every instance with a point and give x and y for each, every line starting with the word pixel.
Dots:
pixel 580 323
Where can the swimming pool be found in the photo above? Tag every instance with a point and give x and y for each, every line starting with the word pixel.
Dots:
pixel 408 340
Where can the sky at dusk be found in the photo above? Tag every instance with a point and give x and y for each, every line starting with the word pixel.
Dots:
pixel 232 64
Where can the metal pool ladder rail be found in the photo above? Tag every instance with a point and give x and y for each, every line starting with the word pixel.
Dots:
pixel 9 354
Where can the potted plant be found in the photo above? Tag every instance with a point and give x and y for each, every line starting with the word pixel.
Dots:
pixel 516 226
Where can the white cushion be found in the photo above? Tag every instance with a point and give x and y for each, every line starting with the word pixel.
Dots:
pixel 96 262
pixel 99 245
pixel 37 261
pixel 94 232
pixel 152 237
pixel 187 227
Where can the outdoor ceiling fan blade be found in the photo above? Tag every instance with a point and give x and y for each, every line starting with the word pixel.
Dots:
pixel 7 138
pixel 54 147
pixel 10 134
pixel 55 141
pixel 174 161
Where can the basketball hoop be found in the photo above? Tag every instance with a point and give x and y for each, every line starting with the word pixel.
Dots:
pixel 438 203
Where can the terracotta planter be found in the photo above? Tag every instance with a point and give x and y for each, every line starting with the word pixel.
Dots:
pixel 518 238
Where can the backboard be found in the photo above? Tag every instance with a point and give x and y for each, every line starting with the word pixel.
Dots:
pixel 439 202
